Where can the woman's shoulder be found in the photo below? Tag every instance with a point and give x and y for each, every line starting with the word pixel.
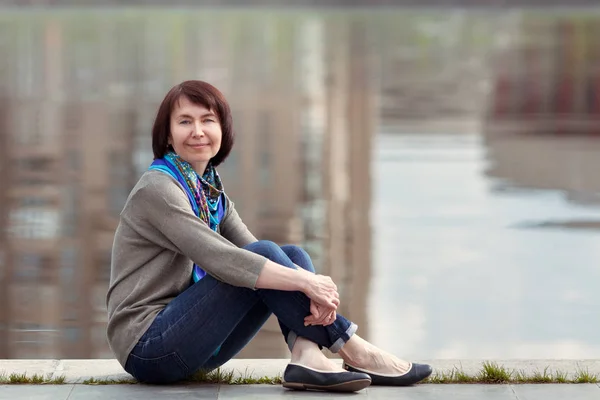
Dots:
pixel 155 184
pixel 155 178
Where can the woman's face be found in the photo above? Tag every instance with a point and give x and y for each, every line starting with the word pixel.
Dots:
pixel 195 133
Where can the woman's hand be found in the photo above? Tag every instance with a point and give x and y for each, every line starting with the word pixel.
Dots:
pixel 321 290
pixel 320 315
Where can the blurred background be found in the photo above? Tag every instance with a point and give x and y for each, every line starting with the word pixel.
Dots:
pixel 441 164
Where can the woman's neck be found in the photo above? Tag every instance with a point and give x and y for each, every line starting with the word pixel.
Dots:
pixel 200 167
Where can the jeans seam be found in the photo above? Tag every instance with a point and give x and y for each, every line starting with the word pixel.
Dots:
pixel 188 310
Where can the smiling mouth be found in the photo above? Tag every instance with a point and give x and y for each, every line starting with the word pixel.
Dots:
pixel 198 145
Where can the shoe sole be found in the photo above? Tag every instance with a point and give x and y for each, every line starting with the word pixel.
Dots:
pixel 352 386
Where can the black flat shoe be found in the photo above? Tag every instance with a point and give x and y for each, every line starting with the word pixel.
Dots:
pixel 416 373
pixel 299 377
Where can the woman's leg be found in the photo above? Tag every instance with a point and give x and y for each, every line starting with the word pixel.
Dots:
pixel 299 257
pixel 249 326
pixel 243 333
pixel 189 330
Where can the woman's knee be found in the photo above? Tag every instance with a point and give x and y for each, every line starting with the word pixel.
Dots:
pixel 299 256
pixel 266 248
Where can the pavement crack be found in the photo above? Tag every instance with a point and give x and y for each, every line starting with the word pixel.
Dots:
pixel 70 391
pixel 218 391
pixel 512 387
pixel 54 366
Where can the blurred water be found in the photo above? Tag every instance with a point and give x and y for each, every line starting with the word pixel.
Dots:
pixel 441 166
pixel 457 272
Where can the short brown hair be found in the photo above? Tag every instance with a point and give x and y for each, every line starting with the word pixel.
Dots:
pixel 198 92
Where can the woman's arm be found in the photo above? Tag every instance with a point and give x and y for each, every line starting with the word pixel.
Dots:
pixel 318 288
pixel 275 276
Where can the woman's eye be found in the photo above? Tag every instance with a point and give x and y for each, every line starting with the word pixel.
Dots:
pixel 184 122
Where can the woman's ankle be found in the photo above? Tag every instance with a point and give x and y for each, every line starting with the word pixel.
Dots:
pixel 303 348
pixel 308 354
pixel 354 351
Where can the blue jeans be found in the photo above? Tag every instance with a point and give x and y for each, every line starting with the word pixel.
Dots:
pixel 186 333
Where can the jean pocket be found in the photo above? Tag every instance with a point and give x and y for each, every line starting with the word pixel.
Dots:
pixel 164 369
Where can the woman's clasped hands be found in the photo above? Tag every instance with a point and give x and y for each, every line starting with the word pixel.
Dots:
pixel 324 299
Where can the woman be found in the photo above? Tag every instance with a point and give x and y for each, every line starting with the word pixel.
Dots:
pixel 191 286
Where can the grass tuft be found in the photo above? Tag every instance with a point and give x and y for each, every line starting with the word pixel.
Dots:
pixel 58 380
pixel 37 379
pixel 122 381
pixel 585 377
pixel 18 378
pixel 216 376
pixel 494 373
pixel 248 379
pixel 561 377
pixel 542 377
pixel 519 376
pixel 442 377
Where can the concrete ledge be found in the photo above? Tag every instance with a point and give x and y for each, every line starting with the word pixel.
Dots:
pixel 78 371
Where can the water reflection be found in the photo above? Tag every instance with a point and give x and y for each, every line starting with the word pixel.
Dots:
pixel 416 168
pixel 466 279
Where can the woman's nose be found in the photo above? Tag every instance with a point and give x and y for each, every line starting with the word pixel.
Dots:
pixel 198 129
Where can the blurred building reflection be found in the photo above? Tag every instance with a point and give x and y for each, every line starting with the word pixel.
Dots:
pixel 78 99
pixel 542 126
pixel 546 79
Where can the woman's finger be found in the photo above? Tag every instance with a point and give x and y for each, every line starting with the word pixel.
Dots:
pixel 309 320
pixel 314 310
pixel 322 315
pixel 327 320
pixel 323 319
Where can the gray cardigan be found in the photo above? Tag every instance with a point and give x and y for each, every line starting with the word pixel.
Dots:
pixel 156 240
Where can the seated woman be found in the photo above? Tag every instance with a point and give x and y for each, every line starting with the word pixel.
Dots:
pixel 190 285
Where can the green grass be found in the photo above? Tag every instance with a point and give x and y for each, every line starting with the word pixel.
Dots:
pixel 490 373
pixel 35 379
pixel 227 377
pixel 123 381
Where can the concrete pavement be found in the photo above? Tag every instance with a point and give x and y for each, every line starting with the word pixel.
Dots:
pixel 265 392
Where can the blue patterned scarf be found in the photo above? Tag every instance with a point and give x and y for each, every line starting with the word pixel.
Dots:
pixel 205 192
